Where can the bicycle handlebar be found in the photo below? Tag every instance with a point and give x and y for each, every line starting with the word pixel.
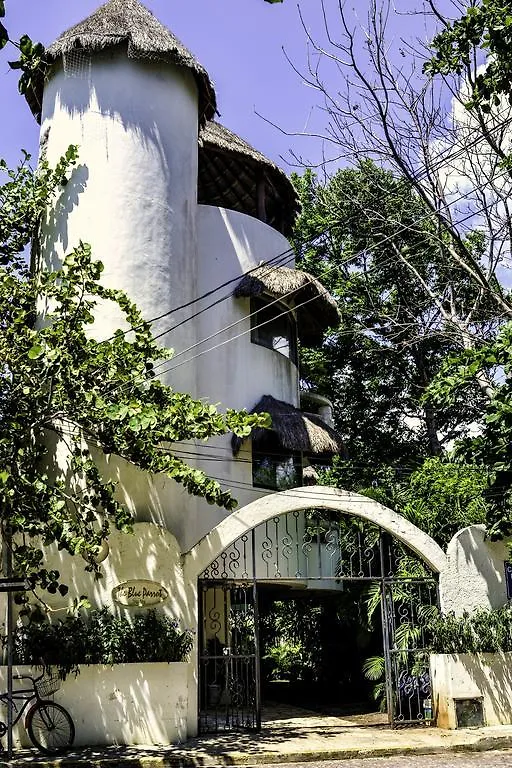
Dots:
pixel 28 677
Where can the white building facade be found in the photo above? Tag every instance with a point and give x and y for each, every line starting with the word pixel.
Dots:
pixel 175 206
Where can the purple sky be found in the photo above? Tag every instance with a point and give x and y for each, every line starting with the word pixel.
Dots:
pixel 238 41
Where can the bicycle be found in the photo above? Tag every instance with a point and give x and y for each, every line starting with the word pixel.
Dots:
pixel 49 725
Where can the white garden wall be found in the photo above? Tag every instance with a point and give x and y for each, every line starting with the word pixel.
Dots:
pixel 474 576
pixel 486 676
pixel 123 704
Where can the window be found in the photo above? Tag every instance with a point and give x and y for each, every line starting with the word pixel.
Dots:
pixel 273 326
pixel 275 468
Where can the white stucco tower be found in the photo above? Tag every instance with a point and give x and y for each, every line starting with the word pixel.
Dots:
pixel 177 207
pixel 127 92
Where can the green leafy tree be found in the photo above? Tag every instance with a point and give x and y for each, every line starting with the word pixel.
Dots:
pixel 395 330
pixel 475 51
pixel 31 61
pixel 483 34
pixel 59 386
pixel 492 448
pixel 440 497
pixel 385 107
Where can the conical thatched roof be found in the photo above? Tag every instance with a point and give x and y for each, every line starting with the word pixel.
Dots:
pixel 230 171
pixel 128 22
pixel 295 430
pixel 318 312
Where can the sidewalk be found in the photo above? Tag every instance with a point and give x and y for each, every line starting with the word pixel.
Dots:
pixel 298 736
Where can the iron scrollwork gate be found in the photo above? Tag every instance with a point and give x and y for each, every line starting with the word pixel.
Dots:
pixel 407 606
pixel 313 546
pixel 229 663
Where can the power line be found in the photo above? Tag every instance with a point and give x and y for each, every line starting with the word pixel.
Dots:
pixel 187 455
pixel 443 159
pixel 271 263
pixel 280 299
pixel 463 148
pixel 298 306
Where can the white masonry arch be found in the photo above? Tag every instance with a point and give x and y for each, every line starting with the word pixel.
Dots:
pixel 309 497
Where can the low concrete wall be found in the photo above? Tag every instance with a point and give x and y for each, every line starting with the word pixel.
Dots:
pixel 487 676
pixel 123 704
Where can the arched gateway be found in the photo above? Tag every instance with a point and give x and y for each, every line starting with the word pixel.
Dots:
pixel 319 539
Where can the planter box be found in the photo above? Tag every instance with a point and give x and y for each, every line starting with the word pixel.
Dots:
pixel 123 704
pixel 472 689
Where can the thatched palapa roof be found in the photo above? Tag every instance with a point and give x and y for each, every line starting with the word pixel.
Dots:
pixel 295 430
pixel 231 173
pixel 309 475
pixel 128 22
pixel 318 312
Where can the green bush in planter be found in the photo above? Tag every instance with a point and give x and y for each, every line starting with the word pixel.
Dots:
pixel 483 631
pixel 102 638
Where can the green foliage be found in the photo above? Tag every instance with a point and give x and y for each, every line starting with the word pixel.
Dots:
pixel 59 385
pixel 440 496
pixel 374 668
pixel 492 448
pixel 287 660
pixel 102 638
pixel 24 196
pixel 484 631
pixel 31 62
pixel 485 28
pixel 307 640
pixel 392 339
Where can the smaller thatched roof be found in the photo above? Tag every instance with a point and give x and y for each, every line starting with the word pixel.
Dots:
pixel 309 475
pixel 230 172
pixel 295 430
pixel 318 312
pixel 222 138
pixel 128 22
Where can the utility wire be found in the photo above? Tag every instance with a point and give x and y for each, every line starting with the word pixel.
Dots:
pixel 273 262
pixel 441 157
pixel 285 312
pixel 280 299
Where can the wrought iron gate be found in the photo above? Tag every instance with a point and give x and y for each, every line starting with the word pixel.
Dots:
pixel 406 607
pixel 229 659
pixel 311 546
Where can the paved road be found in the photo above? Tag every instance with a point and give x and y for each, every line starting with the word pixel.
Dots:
pixel 498 759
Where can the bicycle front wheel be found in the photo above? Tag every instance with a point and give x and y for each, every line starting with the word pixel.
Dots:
pixel 50 727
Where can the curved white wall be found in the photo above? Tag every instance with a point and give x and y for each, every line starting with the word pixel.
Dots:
pixel 237 373
pixel 475 574
pixel 133 196
pixel 229 244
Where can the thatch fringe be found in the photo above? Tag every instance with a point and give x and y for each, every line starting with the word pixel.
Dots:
pixel 234 169
pixel 222 138
pixel 309 475
pixel 314 317
pixel 295 430
pixel 129 22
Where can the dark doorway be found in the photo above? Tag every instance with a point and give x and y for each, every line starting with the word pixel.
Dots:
pixel 313 646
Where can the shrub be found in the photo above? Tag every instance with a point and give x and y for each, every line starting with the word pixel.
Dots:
pixel 484 631
pixel 101 638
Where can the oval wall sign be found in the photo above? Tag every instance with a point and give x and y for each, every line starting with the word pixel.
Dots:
pixel 139 592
